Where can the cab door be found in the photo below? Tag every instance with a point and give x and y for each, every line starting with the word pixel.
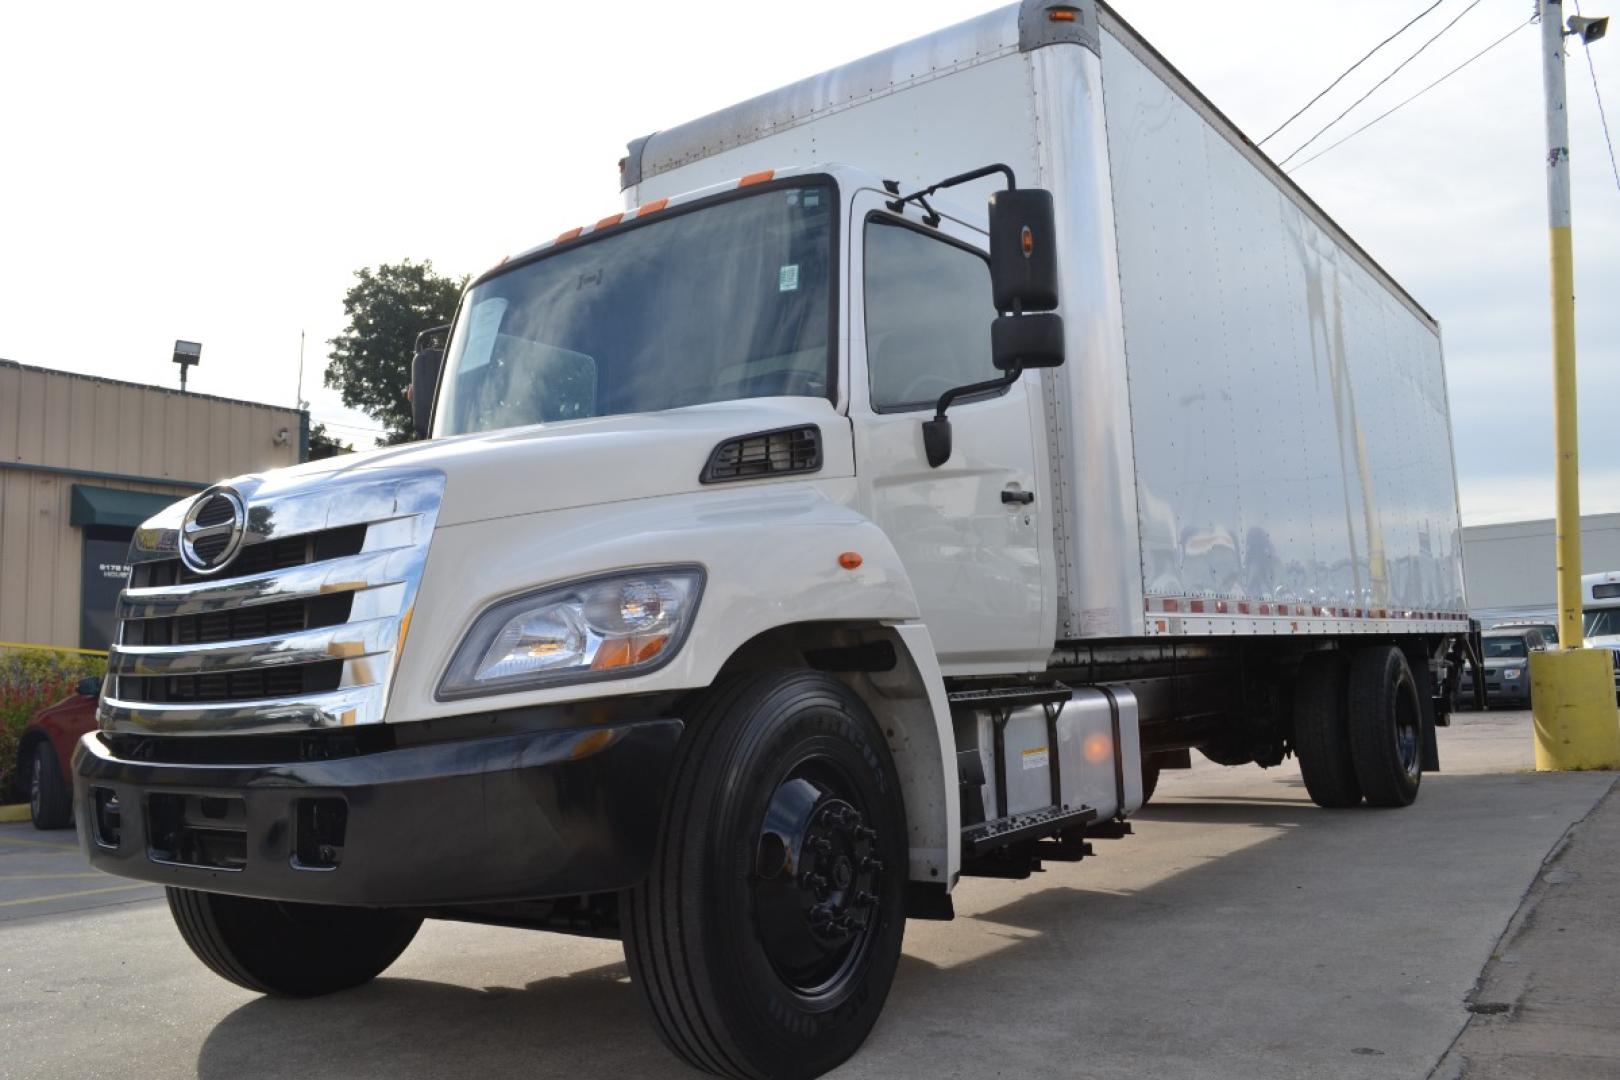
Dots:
pixel 973 534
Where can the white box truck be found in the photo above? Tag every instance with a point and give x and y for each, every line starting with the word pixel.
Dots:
pixel 929 453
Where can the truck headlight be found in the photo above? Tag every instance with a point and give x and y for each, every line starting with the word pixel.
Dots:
pixel 605 627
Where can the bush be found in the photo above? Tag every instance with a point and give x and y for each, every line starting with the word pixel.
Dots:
pixel 31 679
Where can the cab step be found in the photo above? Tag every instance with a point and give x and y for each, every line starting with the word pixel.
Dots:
pixel 1012 697
pixel 996 833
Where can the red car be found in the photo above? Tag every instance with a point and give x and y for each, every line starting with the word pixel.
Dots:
pixel 46 750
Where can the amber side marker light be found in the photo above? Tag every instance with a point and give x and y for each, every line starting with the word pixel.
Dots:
pixel 850 560
pixel 756 177
pixel 1061 15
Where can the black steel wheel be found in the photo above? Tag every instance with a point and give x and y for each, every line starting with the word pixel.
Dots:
pixel 290 950
pixel 767 932
pixel 1322 732
pixel 1386 726
pixel 50 800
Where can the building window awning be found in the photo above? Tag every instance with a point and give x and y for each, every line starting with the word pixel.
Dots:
pixel 109 506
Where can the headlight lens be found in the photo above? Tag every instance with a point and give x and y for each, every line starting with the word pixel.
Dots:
pixel 1511 673
pixel 606 627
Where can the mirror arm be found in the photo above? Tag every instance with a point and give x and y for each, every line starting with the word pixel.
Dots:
pixel 937 432
pixel 899 204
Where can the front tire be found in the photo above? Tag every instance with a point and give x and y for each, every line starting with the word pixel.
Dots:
pixel 50 802
pixel 1386 726
pixel 290 950
pixel 768 929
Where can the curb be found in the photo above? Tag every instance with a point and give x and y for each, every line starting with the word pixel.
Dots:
pixel 15 813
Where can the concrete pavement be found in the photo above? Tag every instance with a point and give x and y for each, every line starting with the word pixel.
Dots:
pixel 1241 933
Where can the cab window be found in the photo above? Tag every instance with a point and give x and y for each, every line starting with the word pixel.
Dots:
pixel 928 314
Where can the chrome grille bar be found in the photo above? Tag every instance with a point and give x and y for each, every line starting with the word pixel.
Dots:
pixel 352 573
pixel 349 641
pixel 339 708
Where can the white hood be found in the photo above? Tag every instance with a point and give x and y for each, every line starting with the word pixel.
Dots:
pixel 583 462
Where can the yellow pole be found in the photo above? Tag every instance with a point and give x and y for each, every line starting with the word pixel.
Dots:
pixel 1571 690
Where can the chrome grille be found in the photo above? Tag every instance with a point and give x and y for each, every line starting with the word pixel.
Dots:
pixel 299 630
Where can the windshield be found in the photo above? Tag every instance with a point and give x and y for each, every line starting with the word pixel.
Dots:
pixel 1498 647
pixel 1601 622
pixel 723 302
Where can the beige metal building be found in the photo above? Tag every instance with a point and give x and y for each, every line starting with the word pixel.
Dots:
pixel 83 460
pixel 1509 568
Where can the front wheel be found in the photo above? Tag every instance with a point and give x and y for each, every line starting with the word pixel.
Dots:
pixel 290 950
pixel 767 931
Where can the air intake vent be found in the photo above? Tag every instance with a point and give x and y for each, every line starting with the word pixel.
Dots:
pixel 766 453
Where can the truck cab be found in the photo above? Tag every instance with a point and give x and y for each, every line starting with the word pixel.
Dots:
pixel 1600 615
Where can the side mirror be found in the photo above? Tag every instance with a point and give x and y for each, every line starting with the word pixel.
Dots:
pixel 424 382
pixel 90 686
pixel 425 377
pixel 1021 342
pixel 1023 250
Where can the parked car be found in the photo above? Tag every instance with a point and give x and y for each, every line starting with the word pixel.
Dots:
pixel 1506 654
pixel 1549 630
pixel 46 749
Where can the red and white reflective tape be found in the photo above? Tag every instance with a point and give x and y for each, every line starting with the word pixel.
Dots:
pixel 1289 609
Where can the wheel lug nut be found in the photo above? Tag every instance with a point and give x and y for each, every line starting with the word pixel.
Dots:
pixel 863 833
pixel 870 865
pixel 820 845
pixel 864 899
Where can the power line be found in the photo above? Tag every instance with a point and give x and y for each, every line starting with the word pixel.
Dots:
pixel 1379 83
pixel 1590 66
pixel 1348 70
pixel 1411 99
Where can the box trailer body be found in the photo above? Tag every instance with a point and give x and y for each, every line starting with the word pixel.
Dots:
pixel 1252 435
pixel 778 557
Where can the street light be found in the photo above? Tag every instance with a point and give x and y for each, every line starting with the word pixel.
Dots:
pixel 1571 688
pixel 187 354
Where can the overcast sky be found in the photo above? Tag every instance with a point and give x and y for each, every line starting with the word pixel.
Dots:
pixel 217 171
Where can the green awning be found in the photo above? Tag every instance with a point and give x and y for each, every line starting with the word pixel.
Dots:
pixel 109 506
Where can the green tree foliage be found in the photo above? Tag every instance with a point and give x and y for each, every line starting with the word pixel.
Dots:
pixel 31 679
pixel 323 444
pixel 370 361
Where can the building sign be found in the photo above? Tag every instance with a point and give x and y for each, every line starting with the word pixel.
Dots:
pixel 103 573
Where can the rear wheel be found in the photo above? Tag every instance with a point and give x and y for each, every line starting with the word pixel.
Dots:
pixel 768 929
pixel 1322 732
pixel 1386 726
pixel 50 802
pixel 1150 779
pixel 290 950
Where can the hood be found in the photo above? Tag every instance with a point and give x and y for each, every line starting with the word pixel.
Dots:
pixel 1496 663
pixel 1604 641
pixel 586 462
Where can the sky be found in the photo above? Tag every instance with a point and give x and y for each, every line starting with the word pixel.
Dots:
pixel 217 172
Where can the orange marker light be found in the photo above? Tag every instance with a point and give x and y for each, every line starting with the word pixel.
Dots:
pixel 651 208
pixel 756 177
pixel 563 238
pixel 850 560
pixel 611 219
pixel 1026 239
pixel 1061 15
pixel 1097 747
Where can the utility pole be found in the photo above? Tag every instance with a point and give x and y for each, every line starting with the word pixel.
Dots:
pixel 1572 689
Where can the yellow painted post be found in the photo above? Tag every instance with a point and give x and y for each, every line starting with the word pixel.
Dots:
pixel 1571 690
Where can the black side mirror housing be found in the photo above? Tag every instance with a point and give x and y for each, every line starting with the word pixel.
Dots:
pixel 424 383
pixel 1023 250
pixel 89 686
pixel 1021 342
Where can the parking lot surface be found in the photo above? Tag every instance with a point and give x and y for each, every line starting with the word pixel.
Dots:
pixel 1241 933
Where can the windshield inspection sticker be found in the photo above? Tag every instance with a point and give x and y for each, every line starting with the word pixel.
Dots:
pixel 787 278
pixel 1035 758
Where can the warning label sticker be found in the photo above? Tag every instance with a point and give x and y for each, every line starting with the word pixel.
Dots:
pixel 1035 757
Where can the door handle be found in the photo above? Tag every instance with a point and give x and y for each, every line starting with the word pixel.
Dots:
pixel 1016 497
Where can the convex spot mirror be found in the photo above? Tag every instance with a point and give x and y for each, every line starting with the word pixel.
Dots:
pixel 1023 250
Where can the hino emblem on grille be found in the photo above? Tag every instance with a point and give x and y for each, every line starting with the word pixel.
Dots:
pixel 212 530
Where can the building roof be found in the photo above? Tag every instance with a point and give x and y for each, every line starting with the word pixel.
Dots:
pixel 174 390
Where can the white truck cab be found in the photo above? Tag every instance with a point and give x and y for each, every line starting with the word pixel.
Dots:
pixel 926 456
pixel 1600 615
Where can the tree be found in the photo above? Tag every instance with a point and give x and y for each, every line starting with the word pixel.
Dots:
pixel 371 359
pixel 323 444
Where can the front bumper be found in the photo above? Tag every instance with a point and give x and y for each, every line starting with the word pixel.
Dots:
pixel 509 817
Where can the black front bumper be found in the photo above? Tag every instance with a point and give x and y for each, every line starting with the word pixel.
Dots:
pixel 512 817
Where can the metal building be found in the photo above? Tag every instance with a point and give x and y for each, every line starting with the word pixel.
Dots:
pixel 1509 567
pixel 83 460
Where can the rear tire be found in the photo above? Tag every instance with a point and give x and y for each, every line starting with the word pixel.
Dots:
pixel 768 929
pixel 290 950
pixel 1150 780
pixel 50 802
pixel 1322 732
pixel 1386 726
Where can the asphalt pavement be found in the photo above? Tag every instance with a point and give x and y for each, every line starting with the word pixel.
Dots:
pixel 1241 933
